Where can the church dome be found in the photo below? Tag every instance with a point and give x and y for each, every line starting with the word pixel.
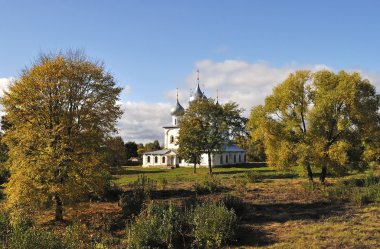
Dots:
pixel 178 110
pixel 198 95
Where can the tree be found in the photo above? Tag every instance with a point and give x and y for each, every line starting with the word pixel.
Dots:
pixel 61 111
pixel 190 147
pixel 115 153
pixel 152 146
pixel 131 149
pixel 206 127
pixel 318 120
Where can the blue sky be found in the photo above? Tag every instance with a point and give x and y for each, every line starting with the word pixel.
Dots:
pixel 154 46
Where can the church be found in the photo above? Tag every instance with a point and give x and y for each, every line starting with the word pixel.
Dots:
pixel 168 156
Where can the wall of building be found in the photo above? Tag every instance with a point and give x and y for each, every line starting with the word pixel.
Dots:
pixel 171 138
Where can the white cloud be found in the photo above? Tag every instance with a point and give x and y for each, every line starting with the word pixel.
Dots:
pixel 4 83
pixel 142 122
pixel 245 83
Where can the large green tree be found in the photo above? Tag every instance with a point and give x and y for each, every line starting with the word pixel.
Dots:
pixel 321 120
pixel 62 110
pixel 131 149
pixel 115 153
pixel 206 127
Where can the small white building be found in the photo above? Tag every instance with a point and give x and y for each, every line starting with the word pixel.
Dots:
pixel 168 156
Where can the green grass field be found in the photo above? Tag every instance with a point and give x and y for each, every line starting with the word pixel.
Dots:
pixel 282 212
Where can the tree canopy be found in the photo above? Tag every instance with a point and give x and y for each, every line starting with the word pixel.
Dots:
pixel 319 120
pixel 61 111
pixel 206 127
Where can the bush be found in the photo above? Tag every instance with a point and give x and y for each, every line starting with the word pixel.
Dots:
pixel 208 186
pixel 132 202
pixel 253 176
pixel 163 183
pixel 143 182
pixel 159 226
pixel 358 191
pixel 213 225
pixel 234 203
pixel 33 239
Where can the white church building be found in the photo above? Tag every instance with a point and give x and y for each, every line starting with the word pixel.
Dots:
pixel 168 156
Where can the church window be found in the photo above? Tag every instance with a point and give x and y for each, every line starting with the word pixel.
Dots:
pixel 163 159
pixel 226 158
pixel 171 139
pixel 239 158
pixel 175 121
pixel 221 159
pixel 234 158
pixel 148 160
pixel 155 159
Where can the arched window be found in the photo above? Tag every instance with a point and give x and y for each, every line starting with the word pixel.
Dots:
pixel 148 160
pixel 155 159
pixel 171 139
pixel 239 158
pixel 226 158
pixel 163 159
pixel 175 121
pixel 234 158
pixel 221 159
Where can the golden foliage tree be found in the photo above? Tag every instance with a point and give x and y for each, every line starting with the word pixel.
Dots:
pixel 321 120
pixel 61 112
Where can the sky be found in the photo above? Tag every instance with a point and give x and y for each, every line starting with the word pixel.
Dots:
pixel 243 48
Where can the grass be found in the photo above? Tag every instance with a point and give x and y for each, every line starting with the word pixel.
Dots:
pixel 128 174
pixel 279 211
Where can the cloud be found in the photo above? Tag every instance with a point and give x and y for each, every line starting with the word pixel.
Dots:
pixel 245 83
pixel 142 122
pixel 4 83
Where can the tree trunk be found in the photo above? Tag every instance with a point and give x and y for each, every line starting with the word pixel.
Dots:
pixel 209 164
pixel 58 208
pixel 195 168
pixel 322 177
pixel 309 172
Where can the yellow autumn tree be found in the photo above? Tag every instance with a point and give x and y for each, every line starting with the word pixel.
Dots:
pixel 61 110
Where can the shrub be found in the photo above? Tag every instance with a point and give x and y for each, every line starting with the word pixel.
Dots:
pixel 358 191
pixel 208 186
pixel 132 202
pixel 143 182
pixel 30 238
pixel 163 183
pixel 213 225
pixel 159 226
pixel 234 203
pixel 253 176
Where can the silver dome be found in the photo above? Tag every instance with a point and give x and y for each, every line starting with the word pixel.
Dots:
pixel 178 110
pixel 198 95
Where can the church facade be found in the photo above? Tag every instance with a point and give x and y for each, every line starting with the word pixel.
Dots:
pixel 231 154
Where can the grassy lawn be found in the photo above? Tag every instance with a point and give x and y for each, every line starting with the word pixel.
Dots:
pixel 281 211
pixel 128 174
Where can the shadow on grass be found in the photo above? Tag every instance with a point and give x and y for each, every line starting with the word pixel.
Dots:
pixel 283 212
pixel 124 171
pixel 264 174
pixel 244 165
pixel 250 234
